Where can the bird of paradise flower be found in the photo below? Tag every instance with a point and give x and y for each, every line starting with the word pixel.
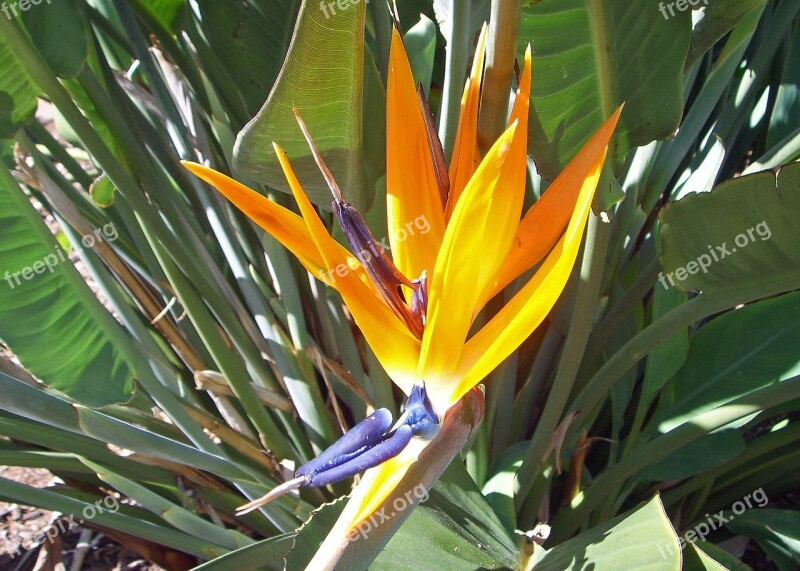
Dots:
pixel 416 308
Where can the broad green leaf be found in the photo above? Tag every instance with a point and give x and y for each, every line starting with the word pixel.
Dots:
pixel 328 97
pixel 776 531
pixel 48 315
pixel 18 92
pixel 499 489
pixel 695 559
pixel 456 528
pixel 744 229
pixel 725 559
pixel 642 539
pixel 701 455
pixel 374 136
pixel 589 57
pixel 717 19
pixel 420 42
pixel 266 554
pixel 738 353
pixel 59 31
pixel 169 13
pixel 242 46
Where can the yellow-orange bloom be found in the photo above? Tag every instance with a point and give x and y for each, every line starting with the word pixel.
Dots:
pixel 473 246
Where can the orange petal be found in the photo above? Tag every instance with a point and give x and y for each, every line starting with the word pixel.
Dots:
pixel 546 219
pixel 286 226
pixel 519 112
pixel 396 348
pixel 526 310
pixel 465 149
pixel 413 204
pixel 476 242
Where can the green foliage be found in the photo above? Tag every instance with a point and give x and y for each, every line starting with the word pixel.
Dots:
pixel 189 364
pixel 319 37
pixel 48 315
pixel 590 57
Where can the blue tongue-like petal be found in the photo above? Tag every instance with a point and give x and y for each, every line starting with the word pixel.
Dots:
pixel 369 443
pixel 362 436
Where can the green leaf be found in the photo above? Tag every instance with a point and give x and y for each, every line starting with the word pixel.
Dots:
pixel 699 456
pixel 695 559
pixel 116 519
pixel 24 400
pixel 499 489
pixel 736 354
pixel 330 100
pixel 169 13
pixel 776 531
pixel 313 532
pixel 666 359
pixel 242 47
pixel 590 57
pixel 786 112
pixel 177 516
pixel 727 560
pixel 60 33
pixel 18 92
pixel 642 539
pixel 743 230
pixel 420 42
pixel 48 315
pixel 456 528
pixel 266 554
pixel 718 18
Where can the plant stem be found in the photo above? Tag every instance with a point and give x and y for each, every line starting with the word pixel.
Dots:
pixel 455 73
pixel 591 275
pixel 501 49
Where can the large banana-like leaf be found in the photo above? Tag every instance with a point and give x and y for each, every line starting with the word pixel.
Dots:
pixel 742 231
pixel 242 46
pixel 18 92
pixel 59 32
pixel 328 97
pixel 589 57
pixel 643 539
pixel 736 354
pixel 48 315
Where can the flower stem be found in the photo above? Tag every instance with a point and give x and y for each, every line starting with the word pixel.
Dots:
pixel 501 49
